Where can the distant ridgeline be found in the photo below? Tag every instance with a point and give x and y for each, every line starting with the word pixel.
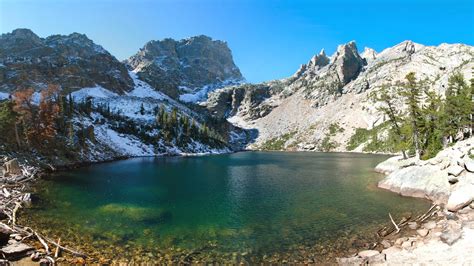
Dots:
pixel 66 99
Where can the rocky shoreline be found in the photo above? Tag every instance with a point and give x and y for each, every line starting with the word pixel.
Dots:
pixel 19 241
pixel 446 237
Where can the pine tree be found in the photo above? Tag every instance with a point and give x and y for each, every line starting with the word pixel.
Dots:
pixel 70 133
pixel 8 127
pixel 70 106
pixel 387 98
pixel 458 107
pixel 90 133
pixel 432 128
pixel 142 109
pixel 411 92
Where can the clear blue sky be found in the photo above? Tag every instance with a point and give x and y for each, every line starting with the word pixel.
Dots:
pixel 269 38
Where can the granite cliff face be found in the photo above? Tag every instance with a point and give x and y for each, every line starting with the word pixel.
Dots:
pixel 186 69
pixel 333 92
pixel 72 61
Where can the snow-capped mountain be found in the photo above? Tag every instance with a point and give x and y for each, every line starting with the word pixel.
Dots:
pixel 122 108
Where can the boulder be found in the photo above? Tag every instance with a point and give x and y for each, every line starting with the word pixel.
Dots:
pixel 451 235
pixel 412 225
pixel 455 170
pixel 377 259
pixel 452 179
pixel 368 253
pixel 469 165
pixel 429 225
pixel 391 250
pixel 394 163
pixel 461 197
pixel 422 232
pixel 385 243
pixel 350 261
pixel 4 236
pixel 407 244
pixel 425 181
pixel 16 249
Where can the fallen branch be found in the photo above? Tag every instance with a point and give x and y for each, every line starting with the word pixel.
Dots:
pixel 56 253
pixel 17 206
pixel 393 222
pixel 74 252
pixel 423 216
pixel 45 245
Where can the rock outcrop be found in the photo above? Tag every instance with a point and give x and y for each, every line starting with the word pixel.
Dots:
pixel 71 61
pixel 185 66
pixel 432 179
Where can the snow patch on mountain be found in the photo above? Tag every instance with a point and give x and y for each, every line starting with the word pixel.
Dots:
pixel 200 95
pixel 125 144
pixel 94 92
pixel 4 95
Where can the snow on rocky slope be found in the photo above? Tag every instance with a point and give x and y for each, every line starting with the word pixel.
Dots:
pixel 335 91
pixel 129 105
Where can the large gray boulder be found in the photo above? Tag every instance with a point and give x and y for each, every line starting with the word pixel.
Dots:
pixel 461 197
pixel 426 181
pixel 395 163
pixel 455 170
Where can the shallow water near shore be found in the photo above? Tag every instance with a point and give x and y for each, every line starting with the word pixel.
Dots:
pixel 252 206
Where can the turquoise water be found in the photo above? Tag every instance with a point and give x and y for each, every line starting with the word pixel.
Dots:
pixel 255 204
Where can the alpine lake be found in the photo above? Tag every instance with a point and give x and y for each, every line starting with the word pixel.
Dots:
pixel 247 207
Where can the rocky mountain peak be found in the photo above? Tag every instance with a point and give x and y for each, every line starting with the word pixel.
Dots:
pixel 23 34
pixel 347 62
pixel 319 60
pixel 80 42
pixel 71 61
pixel 185 66
pixel 369 54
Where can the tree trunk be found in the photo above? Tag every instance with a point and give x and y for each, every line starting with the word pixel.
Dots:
pixel 17 136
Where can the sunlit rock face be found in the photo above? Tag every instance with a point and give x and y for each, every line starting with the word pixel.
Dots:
pixel 185 66
pixel 298 111
pixel 71 61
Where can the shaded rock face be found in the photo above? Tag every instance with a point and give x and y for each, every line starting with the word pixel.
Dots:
pixel 184 66
pixel 72 61
pixel 245 99
pixel 347 63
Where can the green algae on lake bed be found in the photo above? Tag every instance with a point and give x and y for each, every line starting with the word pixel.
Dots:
pixel 257 206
